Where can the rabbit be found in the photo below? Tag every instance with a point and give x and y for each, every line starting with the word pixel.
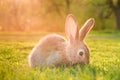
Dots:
pixel 54 49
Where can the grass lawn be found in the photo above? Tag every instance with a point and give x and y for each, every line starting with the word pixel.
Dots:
pixel 104 62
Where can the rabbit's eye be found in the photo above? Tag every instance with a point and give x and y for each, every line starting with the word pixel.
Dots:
pixel 81 52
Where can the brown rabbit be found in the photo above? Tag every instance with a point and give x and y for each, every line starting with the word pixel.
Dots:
pixel 55 50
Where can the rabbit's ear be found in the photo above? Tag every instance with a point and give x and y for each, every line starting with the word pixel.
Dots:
pixel 86 28
pixel 71 28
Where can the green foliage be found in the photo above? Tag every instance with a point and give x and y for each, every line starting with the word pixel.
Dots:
pixel 104 63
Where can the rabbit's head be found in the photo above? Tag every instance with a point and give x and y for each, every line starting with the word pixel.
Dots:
pixel 77 50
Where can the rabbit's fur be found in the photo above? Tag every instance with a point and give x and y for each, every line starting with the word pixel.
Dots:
pixel 55 50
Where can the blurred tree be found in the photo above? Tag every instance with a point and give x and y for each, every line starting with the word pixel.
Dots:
pixel 68 5
pixel 3 11
pixel 34 14
pixel 106 8
pixel 19 15
pixel 54 13
pixel 61 7
pixel 10 15
pixel 115 6
pixel 16 15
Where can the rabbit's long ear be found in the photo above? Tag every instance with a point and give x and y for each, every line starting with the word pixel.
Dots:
pixel 71 28
pixel 86 28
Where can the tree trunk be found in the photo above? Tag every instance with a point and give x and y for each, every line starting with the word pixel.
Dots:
pixel 67 6
pixel 117 14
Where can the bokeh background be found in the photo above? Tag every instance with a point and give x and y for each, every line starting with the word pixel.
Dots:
pixel 24 22
pixel 49 15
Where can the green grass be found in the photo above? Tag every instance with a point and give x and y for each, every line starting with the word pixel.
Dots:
pixel 104 62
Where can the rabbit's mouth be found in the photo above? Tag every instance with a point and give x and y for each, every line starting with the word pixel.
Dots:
pixel 73 63
pixel 79 63
pixel 84 62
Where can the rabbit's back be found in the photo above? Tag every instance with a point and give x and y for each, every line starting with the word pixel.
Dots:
pixel 50 50
pixel 51 42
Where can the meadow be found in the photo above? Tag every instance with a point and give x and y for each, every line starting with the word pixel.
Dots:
pixel 104 58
